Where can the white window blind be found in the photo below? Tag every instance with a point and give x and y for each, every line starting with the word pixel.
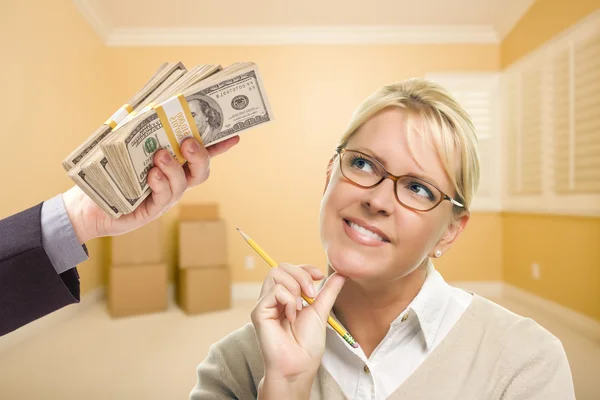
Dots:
pixel 530 132
pixel 551 124
pixel 585 140
pixel 560 115
pixel 522 127
pixel 478 95
pixel 511 126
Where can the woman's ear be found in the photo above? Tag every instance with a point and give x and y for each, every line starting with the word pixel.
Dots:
pixel 328 173
pixel 453 230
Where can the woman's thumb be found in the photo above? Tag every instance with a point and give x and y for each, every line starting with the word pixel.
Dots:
pixel 326 297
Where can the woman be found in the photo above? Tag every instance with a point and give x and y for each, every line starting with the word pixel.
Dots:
pixel 419 337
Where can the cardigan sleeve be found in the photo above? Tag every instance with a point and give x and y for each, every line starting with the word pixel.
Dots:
pixel 232 369
pixel 544 375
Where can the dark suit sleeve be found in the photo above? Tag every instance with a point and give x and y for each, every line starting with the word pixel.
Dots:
pixel 29 285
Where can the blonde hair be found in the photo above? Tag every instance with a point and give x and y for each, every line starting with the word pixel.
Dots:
pixel 430 107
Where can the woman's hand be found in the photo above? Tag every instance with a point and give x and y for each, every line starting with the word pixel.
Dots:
pixel 168 181
pixel 292 337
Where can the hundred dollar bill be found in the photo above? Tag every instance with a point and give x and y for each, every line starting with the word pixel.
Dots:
pixel 95 174
pixel 144 95
pixel 219 107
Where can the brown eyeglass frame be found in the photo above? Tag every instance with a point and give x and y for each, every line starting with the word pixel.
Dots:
pixel 340 151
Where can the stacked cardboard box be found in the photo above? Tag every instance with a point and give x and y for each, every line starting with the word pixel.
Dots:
pixel 138 273
pixel 204 279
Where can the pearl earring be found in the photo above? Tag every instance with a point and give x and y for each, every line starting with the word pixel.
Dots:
pixel 438 253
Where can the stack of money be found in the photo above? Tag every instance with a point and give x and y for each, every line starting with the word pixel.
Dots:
pixel 207 102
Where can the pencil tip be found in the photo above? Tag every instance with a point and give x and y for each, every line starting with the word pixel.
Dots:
pixel 243 234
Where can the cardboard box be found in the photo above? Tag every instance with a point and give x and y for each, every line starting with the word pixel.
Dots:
pixel 202 244
pixel 205 289
pixel 142 246
pixel 199 212
pixel 137 289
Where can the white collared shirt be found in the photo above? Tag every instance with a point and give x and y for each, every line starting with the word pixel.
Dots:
pixel 411 338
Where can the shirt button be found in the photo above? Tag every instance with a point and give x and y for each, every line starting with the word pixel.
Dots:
pixel 404 317
pixel 366 369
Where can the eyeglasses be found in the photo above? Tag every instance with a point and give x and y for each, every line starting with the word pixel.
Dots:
pixel 411 192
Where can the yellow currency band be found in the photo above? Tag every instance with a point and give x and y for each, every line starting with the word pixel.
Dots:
pixel 190 118
pixel 169 130
pixel 113 124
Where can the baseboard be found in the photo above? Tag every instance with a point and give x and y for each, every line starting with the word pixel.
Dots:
pixel 37 326
pixel 251 290
pixel 488 289
pixel 245 291
pixel 171 295
pixel 583 324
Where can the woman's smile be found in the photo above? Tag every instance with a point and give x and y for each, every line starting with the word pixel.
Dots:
pixel 361 234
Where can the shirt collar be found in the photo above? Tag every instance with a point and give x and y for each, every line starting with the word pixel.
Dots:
pixel 429 305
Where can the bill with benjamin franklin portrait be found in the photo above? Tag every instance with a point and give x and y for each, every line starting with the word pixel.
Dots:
pixel 207 102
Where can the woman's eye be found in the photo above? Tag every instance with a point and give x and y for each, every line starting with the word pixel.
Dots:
pixel 194 114
pixel 363 165
pixel 420 190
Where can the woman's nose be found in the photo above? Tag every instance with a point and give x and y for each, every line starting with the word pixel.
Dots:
pixel 381 198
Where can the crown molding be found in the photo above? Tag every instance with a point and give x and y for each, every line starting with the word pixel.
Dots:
pixel 284 35
pixel 102 28
pixel 509 20
pixel 302 35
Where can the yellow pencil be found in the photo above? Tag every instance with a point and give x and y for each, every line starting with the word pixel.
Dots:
pixel 334 324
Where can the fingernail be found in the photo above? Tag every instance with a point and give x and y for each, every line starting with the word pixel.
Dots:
pixel 193 147
pixel 311 291
pixel 299 303
pixel 165 158
pixel 159 175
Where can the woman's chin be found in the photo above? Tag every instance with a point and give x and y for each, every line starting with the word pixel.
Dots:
pixel 352 265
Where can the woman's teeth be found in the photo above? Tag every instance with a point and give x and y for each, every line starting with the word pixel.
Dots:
pixel 364 231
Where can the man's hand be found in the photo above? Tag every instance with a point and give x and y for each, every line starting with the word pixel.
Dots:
pixel 168 181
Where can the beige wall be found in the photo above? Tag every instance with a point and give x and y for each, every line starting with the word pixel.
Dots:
pixel 543 20
pixel 478 253
pixel 568 252
pixel 567 248
pixel 271 184
pixel 55 90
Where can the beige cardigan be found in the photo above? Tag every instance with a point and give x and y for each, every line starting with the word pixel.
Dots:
pixel 491 353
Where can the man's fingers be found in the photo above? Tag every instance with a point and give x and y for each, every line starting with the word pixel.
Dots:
pixel 173 171
pixel 161 194
pixel 223 146
pixel 198 162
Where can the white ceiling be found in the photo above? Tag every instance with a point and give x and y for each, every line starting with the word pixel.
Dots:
pixel 119 21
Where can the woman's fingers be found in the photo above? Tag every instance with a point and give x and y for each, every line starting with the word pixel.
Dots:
pixel 326 297
pixel 277 302
pixel 279 276
pixel 305 275
pixel 297 279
